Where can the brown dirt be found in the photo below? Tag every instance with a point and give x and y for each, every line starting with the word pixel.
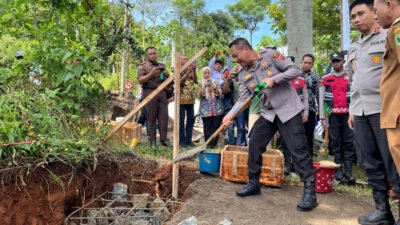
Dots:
pixel 213 200
pixel 44 199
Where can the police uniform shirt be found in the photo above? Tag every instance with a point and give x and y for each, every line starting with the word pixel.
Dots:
pixel 281 100
pixel 365 62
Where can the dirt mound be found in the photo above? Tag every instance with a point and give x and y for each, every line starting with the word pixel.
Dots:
pixel 48 194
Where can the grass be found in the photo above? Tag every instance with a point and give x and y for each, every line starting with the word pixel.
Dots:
pixel 357 190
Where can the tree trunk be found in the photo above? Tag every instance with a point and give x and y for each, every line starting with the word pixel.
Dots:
pixel 299 21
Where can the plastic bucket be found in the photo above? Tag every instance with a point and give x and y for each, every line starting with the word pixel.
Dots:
pixel 209 162
pixel 323 177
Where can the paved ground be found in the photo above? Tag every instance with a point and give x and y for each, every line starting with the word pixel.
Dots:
pixel 214 200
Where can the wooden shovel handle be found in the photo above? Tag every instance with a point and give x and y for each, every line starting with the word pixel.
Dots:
pixel 222 127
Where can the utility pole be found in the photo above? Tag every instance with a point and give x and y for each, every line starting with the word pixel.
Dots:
pixel 123 64
pixel 345 25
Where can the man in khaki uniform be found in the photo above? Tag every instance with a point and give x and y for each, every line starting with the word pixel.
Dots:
pixel 152 74
pixel 388 13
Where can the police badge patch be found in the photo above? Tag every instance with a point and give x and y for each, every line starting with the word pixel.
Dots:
pixel 251 85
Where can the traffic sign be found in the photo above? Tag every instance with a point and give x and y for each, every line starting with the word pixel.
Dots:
pixel 128 84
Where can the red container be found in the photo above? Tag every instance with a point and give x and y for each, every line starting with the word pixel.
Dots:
pixel 323 178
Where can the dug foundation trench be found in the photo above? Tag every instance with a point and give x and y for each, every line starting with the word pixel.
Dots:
pixel 48 195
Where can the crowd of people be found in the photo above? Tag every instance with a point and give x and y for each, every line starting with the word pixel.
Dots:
pixel 357 102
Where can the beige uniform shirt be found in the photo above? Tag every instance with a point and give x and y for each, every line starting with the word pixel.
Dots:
pixel 365 64
pixel 390 80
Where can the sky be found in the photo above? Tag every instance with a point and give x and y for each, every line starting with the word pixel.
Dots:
pixel 213 5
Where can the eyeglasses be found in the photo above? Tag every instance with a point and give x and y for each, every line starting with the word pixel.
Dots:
pixel 335 60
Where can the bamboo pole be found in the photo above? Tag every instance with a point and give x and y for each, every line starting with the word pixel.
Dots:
pixel 154 93
pixel 123 69
pixel 177 91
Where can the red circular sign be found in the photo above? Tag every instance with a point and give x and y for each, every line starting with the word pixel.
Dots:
pixel 128 84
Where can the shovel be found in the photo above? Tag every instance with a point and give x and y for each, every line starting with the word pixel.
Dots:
pixel 192 153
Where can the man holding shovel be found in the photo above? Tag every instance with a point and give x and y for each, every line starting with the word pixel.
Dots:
pixel 281 112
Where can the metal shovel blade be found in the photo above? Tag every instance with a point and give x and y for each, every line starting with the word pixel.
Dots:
pixel 190 154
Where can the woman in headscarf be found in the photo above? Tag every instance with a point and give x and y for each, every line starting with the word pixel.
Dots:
pixel 211 107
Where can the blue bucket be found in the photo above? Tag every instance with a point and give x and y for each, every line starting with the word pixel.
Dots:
pixel 209 162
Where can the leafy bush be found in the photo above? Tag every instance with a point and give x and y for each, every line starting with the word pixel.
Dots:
pixel 30 113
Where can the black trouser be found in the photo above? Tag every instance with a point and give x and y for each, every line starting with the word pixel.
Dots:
pixel 292 133
pixel 157 111
pixel 210 125
pixel 142 117
pixel 373 153
pixel 309 127
pixel 341 139
pixel 186 111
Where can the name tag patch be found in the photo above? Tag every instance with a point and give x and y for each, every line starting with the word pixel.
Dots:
pixel 376 59
pixel 381 42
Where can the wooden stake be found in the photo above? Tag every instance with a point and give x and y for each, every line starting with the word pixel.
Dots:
pixel 154 93
pixel 177 91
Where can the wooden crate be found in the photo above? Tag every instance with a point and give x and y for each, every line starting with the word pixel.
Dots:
pixel 234 166
pixel 129 131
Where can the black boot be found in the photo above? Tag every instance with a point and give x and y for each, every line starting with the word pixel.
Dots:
pixel 348 173
pixel 288 162
pixel 382 214
pixel 153 145
pixel 252 188
pixel 339 172
pixel 309 200
pixel 166 143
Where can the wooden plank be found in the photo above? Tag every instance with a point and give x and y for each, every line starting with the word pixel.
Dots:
pixel 177 90
pixel 154 93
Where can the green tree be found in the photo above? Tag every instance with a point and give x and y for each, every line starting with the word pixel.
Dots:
pixel 248 13
pixel 267 41
pixel 326 26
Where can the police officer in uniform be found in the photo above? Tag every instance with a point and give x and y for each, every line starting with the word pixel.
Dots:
pixel 152 74
pixel 388 13
pixel 281 112
pixel 365 62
